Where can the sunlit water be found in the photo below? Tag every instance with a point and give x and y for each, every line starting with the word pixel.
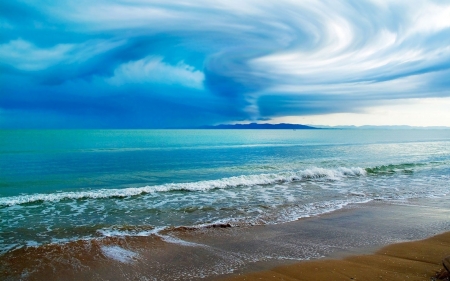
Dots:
pixel 58 186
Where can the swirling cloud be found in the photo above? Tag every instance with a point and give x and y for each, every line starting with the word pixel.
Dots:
pixel 187 63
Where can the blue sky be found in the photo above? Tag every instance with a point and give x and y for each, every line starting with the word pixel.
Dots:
pixel 157 64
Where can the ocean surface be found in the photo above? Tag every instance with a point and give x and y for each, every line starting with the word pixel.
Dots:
pixel 64 185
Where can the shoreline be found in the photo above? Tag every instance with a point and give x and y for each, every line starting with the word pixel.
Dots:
pixel 415 260
pixel 232 252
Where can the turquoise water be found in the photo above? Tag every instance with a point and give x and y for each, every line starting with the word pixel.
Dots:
pixel 58 185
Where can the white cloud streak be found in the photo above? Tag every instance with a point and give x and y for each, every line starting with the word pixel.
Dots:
pixel 363 49
pixel 25 56
pixel 154 70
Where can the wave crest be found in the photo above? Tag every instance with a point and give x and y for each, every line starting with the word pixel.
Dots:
pixel 231 182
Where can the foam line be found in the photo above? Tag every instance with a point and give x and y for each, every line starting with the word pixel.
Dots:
pixel 238 181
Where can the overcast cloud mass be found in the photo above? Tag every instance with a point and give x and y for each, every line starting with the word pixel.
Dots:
pixel 157 64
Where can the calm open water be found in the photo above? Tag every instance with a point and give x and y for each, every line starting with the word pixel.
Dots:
pixel 64 185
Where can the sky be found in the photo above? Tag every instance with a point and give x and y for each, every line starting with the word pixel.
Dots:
pixel 171 64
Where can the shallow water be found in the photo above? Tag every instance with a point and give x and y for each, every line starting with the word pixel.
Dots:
pixel 216 252
pixel 59 186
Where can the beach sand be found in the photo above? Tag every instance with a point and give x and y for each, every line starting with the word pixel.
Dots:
pixel 341 245
pixel 418 260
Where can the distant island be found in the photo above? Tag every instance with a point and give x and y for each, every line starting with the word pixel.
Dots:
pixel 283 126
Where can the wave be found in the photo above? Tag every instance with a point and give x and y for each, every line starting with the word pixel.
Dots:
pixel 231 182
pixel 392 169
pixel 286 214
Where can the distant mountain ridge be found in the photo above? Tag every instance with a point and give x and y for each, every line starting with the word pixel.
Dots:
pixel 284 126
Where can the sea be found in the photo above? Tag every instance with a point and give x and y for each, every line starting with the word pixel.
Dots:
pixel 58 186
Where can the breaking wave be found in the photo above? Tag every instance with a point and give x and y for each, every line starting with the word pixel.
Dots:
pixel 231 182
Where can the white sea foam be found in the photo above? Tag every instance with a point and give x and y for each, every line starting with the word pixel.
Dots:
pixel 237 181
pixel 112 232
pixel 175 240
pixel 119 254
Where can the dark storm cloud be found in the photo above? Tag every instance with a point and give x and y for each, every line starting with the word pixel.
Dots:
pixel 160 64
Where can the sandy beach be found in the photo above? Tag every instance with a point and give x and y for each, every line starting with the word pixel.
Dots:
pixel 418 260
pixel 343 245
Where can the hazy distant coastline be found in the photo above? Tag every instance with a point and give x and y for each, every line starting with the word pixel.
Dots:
pixel 287 126
pixel 381 127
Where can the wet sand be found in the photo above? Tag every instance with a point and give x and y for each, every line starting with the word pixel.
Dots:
pixel 250 253
pixel 418 260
